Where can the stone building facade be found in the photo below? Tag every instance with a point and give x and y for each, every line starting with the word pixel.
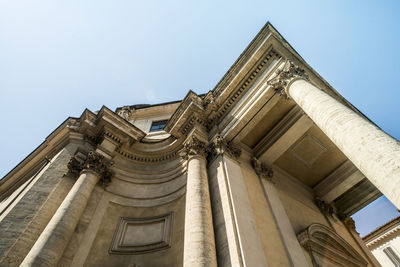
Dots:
pixel 263 170
pixel 384 242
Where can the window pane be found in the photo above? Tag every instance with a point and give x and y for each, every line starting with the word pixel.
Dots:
pixel 157 125
pixel 392 256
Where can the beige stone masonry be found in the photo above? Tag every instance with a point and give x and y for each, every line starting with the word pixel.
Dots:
pixel 55 237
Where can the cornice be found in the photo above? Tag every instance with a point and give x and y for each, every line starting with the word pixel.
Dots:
pixel 383 234
pixel 188 113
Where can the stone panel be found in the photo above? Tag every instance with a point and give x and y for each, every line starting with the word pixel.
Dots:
pixel 141 235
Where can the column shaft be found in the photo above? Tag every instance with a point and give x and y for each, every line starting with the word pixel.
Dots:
pixel 372 151
pixel 199 244
pixel 51 243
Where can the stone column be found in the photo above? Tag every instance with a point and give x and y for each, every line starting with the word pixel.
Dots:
pixel 55 237
pixel 199 244
pixel 372 151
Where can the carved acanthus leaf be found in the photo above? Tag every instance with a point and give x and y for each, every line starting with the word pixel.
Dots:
pixel 94 162
pixel 220 146
pixel 285 75
pixel 194 147
pixel 262 170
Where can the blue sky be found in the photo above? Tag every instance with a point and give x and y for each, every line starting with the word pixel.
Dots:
pixel 59 57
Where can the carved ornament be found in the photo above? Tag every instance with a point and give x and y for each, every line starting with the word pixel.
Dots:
pixel 194 147
pixel 284 75
pixel 262 170
pixel 220 146
pixel 125 112
pixel 94 162
pixel 326 209
pixel 350 224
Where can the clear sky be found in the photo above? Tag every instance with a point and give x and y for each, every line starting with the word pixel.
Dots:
pixel 59 57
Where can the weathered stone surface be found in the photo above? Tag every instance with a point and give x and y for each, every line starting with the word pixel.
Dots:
pixel 19 218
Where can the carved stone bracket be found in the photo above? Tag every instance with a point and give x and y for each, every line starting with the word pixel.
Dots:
pixel 285 75
pixel 325 208
pixel 94 162
pixel 262 170
pixel 220 146
pixel 193 147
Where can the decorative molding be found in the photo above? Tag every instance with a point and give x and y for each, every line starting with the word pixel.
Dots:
pixel 262 170
pixel 94 162
pixel 142 235
pixel 220 146
pixel 194 119
pixel 326 248
pixel 147 159
pixel 244 85
pixel 193 147
pixel 284 75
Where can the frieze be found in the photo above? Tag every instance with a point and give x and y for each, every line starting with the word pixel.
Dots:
pixel 284 75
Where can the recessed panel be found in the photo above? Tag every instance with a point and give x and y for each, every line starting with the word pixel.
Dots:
pixel 142 235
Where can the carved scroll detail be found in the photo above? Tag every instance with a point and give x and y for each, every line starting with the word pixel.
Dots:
pixel 220 146
pixel 285 75
pixel 194 147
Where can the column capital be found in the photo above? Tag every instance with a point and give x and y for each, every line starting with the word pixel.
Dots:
pixel 193 147
pixel 262 170
pixel 326 208
pixel 219 146
pixel 285 75
pixel 93 162
pixel 349 223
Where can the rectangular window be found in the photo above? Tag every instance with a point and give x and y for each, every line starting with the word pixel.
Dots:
pixel 157 125
pixel 394 258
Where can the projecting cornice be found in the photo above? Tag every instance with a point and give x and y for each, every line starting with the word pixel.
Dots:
pixel 189 113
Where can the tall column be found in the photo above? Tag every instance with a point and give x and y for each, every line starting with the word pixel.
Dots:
pixel 372 151
pixel 199 244
pixel 55 237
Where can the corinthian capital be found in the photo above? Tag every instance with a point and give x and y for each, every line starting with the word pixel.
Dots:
pixel 262 170
pixel 94 162
pixel 193 147
pixel 220 146
pixel 285 75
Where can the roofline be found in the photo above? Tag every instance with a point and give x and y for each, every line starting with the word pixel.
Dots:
pixel 380 229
